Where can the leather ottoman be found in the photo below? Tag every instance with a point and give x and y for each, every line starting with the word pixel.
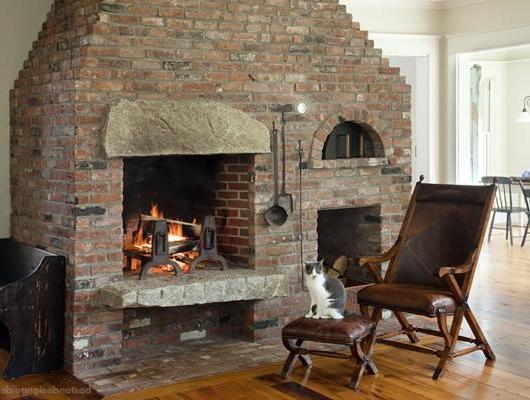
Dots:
pixel 355 332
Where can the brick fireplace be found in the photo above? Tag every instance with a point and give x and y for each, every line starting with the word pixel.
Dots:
pixel 74 195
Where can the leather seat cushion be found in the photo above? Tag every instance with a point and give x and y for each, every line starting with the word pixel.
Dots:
pixel 341 331
pixel 416 299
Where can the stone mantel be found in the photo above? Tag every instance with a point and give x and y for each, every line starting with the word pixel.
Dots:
pixel 185 127
pixel 199 287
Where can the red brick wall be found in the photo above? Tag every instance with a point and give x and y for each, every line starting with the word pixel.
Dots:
pixel 251 54
pixel 232 208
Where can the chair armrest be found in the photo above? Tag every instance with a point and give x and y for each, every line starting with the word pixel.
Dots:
pixel 369 262
pixel 458 269
pixel 381 258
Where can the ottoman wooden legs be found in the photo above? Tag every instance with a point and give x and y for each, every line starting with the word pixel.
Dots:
pixel 362 357
pixel 361 352
pixel 294 352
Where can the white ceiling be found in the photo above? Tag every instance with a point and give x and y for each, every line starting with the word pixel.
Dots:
pixel 422 4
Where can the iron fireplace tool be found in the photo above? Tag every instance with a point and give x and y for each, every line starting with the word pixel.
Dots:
pixel 275 215
pixel 285 199
pixel 300 216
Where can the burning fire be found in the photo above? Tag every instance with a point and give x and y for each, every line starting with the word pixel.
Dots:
pixel 142 240
pixel 175 234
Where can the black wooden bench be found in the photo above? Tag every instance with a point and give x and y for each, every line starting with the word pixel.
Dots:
pixel 32 298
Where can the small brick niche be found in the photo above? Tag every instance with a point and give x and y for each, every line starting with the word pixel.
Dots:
pixel 352 232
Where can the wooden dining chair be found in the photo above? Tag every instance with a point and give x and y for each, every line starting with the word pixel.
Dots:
pixel 431 269
pixel 526 194
pixel 503 203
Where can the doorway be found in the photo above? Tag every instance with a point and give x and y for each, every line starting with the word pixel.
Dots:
pixel 491 86
pixel 480 118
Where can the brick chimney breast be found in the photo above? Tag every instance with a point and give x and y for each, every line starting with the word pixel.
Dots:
pixel 215 73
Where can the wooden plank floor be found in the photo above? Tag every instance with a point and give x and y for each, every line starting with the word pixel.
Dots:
pixel 501 301
pixel 53 386
pixel 500 298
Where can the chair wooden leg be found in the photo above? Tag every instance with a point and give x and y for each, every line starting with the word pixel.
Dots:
pixel 479 335
pixel 365 311
pixel 491 225
pixel 407 326
pixel 293 355
pixel 510 228
pixel 506 229
pixel 450 341
pixel 376 315
pixel 526 231
pixel 444 330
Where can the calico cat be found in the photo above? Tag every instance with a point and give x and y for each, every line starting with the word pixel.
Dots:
pixel 328 296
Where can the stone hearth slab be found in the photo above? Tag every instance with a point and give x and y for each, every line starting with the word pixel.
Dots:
pixel 199 287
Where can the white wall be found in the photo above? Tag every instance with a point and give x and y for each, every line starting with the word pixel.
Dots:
pixel 428 47
pixel 518 134
pixel 416 71
pixel 382 17
pixel 488 25
pixel 20 22
pixel 488 16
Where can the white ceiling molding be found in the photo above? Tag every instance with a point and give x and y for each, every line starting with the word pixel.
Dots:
pixel 417 4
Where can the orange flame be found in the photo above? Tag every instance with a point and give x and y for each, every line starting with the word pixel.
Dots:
pixel 175 233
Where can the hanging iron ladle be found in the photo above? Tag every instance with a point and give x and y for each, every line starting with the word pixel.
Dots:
pixel 275 215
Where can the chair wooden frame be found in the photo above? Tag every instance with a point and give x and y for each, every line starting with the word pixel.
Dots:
pixel 450 334
pixel 503 203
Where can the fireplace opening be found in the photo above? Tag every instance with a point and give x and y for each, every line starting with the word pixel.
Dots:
pixel 352 140
pixel 149 327
pixel 179 211
pixel 352 232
